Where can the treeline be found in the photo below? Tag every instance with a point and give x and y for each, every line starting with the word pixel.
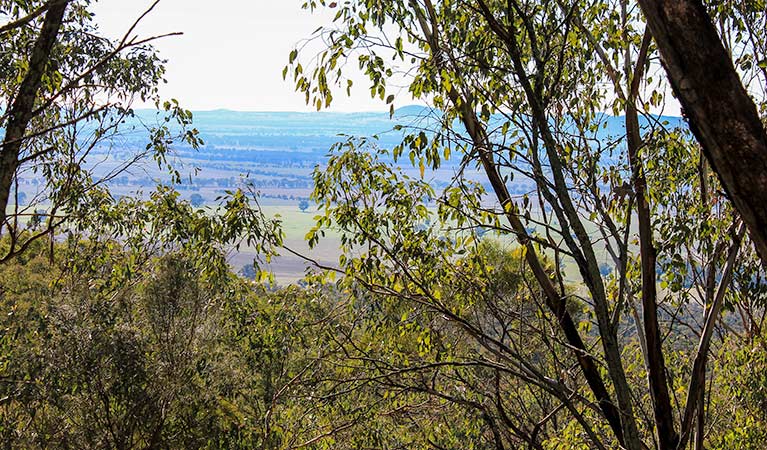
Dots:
pixel 275 180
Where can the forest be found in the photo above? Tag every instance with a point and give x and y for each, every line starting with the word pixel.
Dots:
pixel 540 257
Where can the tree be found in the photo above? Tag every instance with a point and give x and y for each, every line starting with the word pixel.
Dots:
pixel 196 200
pixel 36 219
pixel 721 112
pixel 21 198
pixel 303 205
pixel 135 349
pixel 21 111
pixel 119 370
pixel 116 343
pixel 518 89
pixel 67 91
pixel 248 271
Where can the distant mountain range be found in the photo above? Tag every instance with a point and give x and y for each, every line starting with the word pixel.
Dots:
pixel 280 149
pixel 290 134
pixel 316 132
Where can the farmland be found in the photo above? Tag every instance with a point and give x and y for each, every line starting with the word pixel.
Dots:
pixel 275 154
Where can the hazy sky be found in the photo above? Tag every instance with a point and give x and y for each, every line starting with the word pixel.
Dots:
pixel 232 52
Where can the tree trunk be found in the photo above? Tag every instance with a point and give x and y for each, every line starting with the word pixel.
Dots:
pixel 656 364
pixel 20 113
pixel 722 116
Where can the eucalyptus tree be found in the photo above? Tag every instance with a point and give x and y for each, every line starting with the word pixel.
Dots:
pixel 518 91
pixel 131 337
pixel 66 92
pixel 714 80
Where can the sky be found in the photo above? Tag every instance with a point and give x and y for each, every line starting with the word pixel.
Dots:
pixel 232 52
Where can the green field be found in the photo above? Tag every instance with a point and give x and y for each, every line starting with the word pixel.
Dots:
pixel 288 268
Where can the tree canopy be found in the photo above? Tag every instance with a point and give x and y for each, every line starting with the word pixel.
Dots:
pixel 519 89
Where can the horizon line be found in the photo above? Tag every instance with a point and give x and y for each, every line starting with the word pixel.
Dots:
pixel 386 111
